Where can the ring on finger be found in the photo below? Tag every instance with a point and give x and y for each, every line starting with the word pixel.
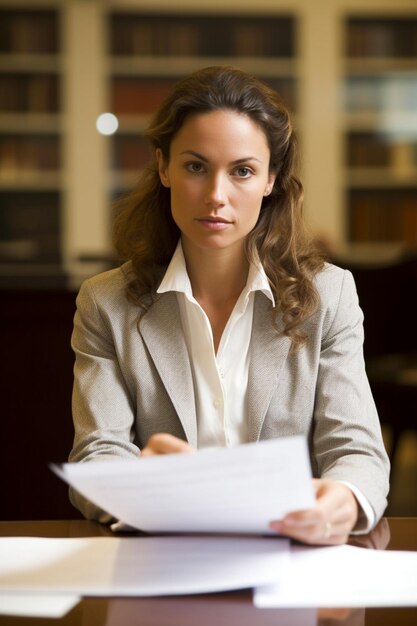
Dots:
pixel 327 530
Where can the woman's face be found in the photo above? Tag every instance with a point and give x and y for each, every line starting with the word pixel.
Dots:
pixel 218 174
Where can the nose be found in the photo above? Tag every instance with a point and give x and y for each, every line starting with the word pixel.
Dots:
pixel 216 191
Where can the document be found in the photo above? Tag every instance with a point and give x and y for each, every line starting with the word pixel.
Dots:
pixel 36 604
pixel 139 566
pixel 341 576
pixel 237 490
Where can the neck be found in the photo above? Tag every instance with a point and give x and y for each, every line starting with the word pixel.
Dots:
pixel 216 275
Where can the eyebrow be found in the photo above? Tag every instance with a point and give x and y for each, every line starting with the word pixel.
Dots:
pixel 236 162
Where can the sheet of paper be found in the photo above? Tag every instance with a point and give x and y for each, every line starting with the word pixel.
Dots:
pixel 238 490
pixel 36 604
pixel 343 576
pixel 145 566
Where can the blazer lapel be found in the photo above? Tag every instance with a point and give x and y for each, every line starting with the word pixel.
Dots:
pixel 162 332
pixel 269 351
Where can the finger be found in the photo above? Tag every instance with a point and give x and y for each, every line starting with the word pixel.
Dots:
pixel 328 522
pixel 336 503
pixel 313 534
pixel 164 443
pixel 334 613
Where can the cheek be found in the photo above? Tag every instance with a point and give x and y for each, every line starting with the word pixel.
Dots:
pixel 247 218
pixel 252 198
pixel 182 192
pixel 254 192
pixel 251 207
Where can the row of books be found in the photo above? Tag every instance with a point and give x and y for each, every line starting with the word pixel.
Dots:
pixel 142 95
pixel 130 153
pixel 25 32
pixel 30 227
pixel 286 86
pixel 380 93
pixel 139 96
pixel 390 37
pixel 383 215
pixel 378 150
pixel 29 92
pixel 133 152
pixel 28 153
pixel 164 35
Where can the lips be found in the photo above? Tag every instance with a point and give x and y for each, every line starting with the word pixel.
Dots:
pixel 210 222
pixel 213 219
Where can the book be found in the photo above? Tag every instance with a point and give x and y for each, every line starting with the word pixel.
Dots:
pixel 26 31
pixel 138 96
pixel 382 37
pixel 197 35
pixel 131 152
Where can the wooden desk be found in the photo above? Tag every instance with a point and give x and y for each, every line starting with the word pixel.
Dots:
pixel 225 609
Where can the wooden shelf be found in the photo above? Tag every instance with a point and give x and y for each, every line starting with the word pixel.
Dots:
pixel 362 66
pixel 121 181
pixel 379 177
pixel 378 121
pixel 133 123
pixel 31 180
pixel 30 63
pixel 27 123
pixel 380 128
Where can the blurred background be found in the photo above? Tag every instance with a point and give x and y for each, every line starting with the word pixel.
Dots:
pixel 78 82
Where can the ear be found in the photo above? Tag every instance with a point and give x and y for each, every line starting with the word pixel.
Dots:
pixel 162 168
pixel 270 184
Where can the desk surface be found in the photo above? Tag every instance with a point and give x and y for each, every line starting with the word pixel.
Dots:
pixel 225 609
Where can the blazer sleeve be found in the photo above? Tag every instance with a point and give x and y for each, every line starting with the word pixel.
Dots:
pixel 347 438
pixel 102 407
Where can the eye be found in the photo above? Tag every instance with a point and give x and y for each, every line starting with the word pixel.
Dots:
pixel 243 172
pixel 195 167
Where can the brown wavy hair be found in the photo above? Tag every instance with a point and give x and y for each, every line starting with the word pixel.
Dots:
pixel 146 235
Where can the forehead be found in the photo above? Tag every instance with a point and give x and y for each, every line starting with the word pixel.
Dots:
pixel 223 128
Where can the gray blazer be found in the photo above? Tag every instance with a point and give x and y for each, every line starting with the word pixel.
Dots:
pixel 132 382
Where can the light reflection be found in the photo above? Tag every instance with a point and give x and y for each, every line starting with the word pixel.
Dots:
pixel 107 124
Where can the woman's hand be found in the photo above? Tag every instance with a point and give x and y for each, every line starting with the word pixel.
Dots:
pixel 164 443
pixel 329 522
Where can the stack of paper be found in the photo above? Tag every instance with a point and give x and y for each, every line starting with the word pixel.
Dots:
pixel 145 566
pixel 343 576
pixel 36 604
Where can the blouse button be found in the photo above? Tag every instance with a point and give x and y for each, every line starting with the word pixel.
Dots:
pixel 217 403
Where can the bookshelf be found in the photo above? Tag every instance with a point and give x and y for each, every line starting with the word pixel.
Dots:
pixel 30 140
pixel 380 132
pixel 149 52
pixel 346 69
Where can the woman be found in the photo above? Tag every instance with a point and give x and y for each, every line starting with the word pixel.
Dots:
pixel 224 325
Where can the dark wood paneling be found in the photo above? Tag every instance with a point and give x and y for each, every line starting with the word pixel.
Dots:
pixel 36 384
